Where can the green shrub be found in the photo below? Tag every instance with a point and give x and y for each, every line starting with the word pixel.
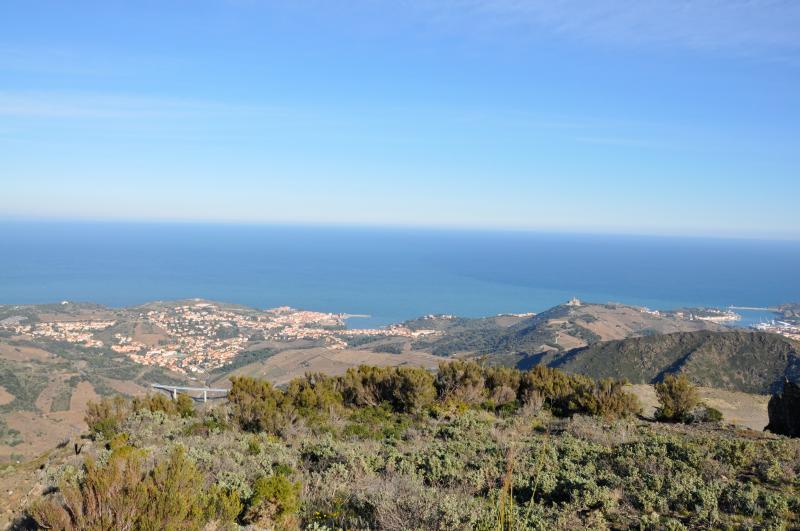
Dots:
pixel 315 392
pixel 605 398
pixel 706 413
pixel 376 423
pixel 677 397
pixel 175 495
pixel 222 505
pixel 713 414
pixel 462 381
pixel 253 446
pixel 256 405
pixel 552 385
pixel 407 463
pixel 502 384
pixel 275 501
pixel 121 495
pixel 184 406
pixel 411 389
pixel 104 417
pixel 365 386
pixel 406 389
pixel 153 403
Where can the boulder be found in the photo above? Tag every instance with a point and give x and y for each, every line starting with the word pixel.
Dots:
pixel 784 411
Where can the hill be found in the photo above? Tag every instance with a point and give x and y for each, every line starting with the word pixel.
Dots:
pixel 554 331
pixel 752 362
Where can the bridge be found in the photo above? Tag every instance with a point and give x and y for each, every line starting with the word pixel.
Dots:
pixel 173 390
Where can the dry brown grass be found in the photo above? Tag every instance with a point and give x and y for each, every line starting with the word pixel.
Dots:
pixel 742 409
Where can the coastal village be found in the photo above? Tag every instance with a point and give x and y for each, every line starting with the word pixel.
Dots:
pixel 202 336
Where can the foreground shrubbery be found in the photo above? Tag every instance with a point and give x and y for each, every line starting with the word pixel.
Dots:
pixel 259 406
pixel 400 448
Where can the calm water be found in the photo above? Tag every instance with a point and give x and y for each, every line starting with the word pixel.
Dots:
pixel 390 274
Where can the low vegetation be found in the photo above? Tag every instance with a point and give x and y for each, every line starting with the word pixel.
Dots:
pixel 469 447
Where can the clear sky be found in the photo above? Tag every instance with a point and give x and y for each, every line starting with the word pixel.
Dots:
pixel 639 116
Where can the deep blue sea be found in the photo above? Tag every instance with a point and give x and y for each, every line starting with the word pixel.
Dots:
pixel 389 274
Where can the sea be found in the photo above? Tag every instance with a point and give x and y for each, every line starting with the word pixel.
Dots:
pixel 387 275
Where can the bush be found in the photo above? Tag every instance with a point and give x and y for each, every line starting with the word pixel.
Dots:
pixel 153 403
pixel 184 406
pixel 705 413
pixel 502 384
pixel 175 498
pixel 222 505
pixel 104 417
pixel 406 389
pixel 605 398
pixel 678 398
pixel 448 466
pixel 552 385
pixel 315 392
pixel 256 405
pixel 411 389
pixel 365 386
pixel 275 501
pixel 461 381
pixel 120 495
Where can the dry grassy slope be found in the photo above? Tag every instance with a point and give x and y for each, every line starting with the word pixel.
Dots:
pixel 741 409
pixel 44 388
pixel 567 327
pixel 558 329
pixel 292 363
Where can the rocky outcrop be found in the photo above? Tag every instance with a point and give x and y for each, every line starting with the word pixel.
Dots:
pixel 784 411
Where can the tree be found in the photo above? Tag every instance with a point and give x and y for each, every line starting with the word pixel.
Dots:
pixel 678 397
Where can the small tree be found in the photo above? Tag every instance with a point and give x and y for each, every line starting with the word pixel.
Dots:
pixel 678 397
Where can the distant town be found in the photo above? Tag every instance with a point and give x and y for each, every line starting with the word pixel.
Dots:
pixel 198 337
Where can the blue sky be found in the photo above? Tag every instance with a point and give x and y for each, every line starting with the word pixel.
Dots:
pixel 634 116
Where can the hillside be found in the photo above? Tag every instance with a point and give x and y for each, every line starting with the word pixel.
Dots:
pixel 469 448
pixel 44 388
pixel 556 330
pixel 752 362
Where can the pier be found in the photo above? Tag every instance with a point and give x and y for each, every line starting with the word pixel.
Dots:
pixel 173 391
pixel 753 308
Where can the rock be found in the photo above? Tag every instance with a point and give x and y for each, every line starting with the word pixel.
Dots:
pixel 784 411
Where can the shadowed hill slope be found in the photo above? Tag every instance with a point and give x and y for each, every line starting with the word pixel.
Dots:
pixel 752 362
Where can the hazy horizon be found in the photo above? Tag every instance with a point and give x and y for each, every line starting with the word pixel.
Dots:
pixel 544 231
